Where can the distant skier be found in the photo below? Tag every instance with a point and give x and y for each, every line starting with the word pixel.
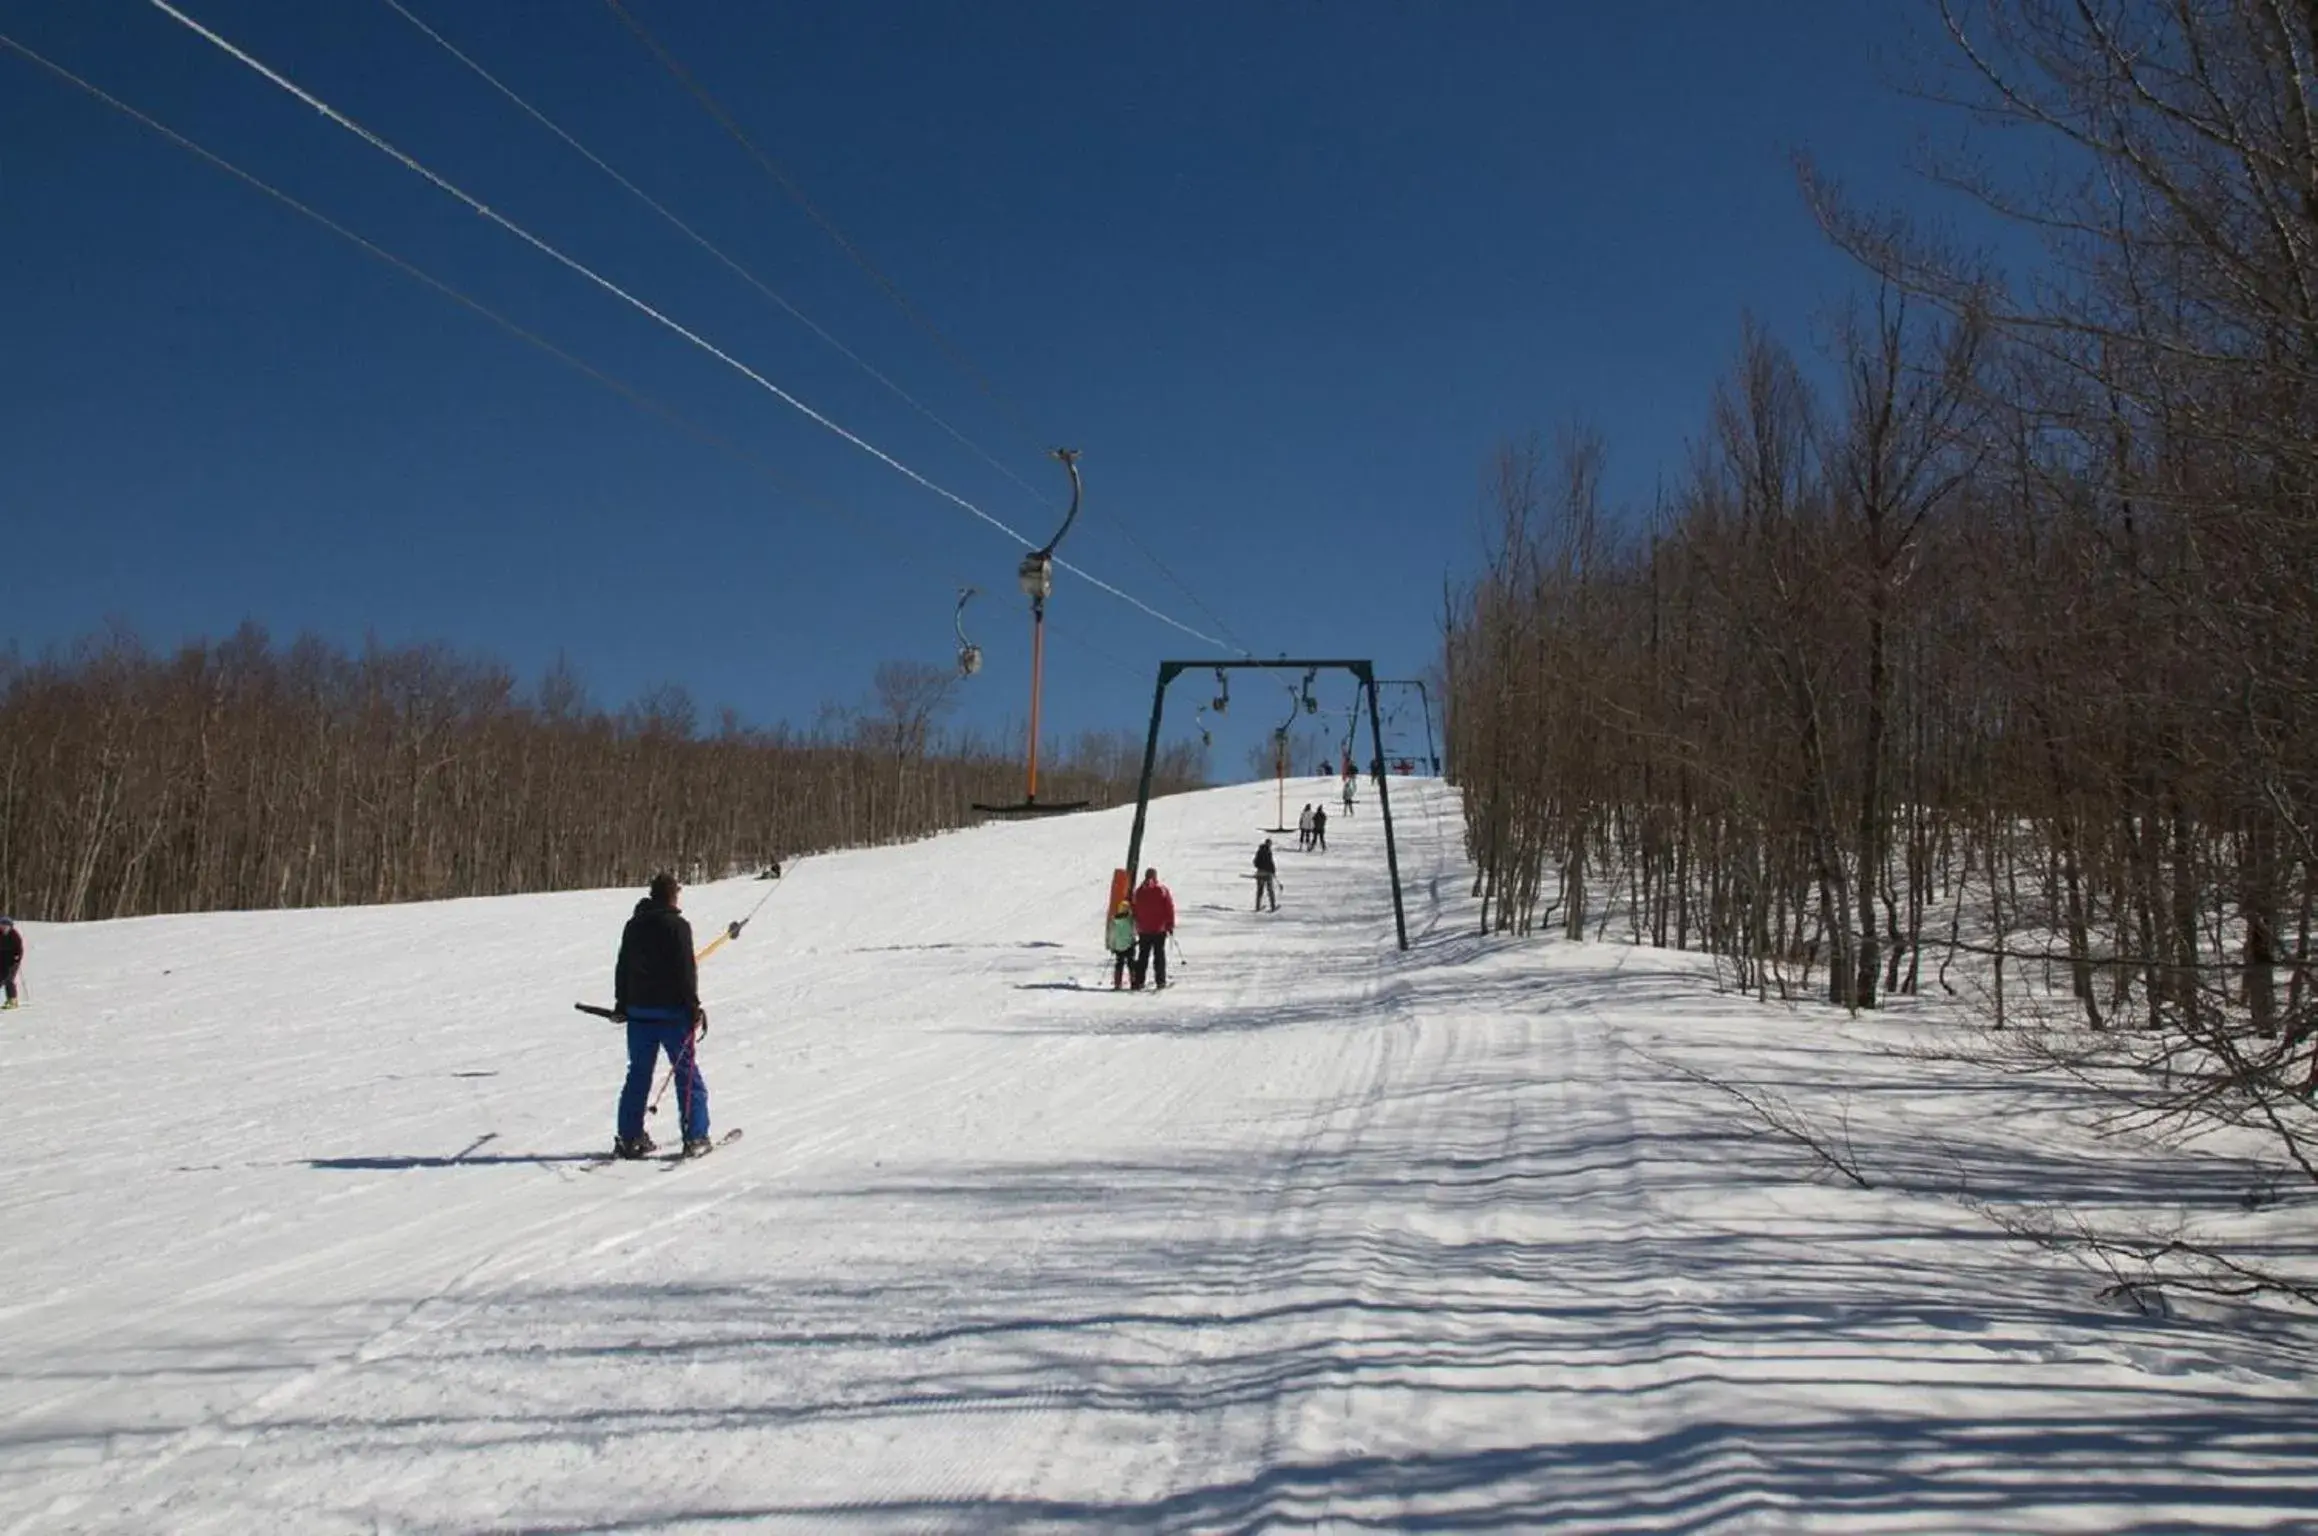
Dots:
pixel 1120 936
pixel 1320 828
pixel 11 958
pixel 1349 782
pixel 656 989
pixel 1304 830
pixel 1154 925
pixel 1267 877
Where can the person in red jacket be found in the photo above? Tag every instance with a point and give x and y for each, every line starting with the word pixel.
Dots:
pixel 1154 923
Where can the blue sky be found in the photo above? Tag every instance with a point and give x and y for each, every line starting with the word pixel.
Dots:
pixel 1285 274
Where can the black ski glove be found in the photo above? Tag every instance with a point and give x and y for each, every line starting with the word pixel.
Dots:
pixel 699 1021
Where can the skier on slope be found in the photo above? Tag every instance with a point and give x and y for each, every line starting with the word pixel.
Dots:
pixel 656 990
pixel 11 959
pixel 1319 829
pixel 1350 780
pixel 1154 926
pixel 1304 830
pixel 1267 876
pixel 1119 935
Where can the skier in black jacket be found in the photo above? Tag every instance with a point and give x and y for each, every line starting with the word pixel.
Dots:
pixel 1267 876
pixel 656 989
pixel 11 960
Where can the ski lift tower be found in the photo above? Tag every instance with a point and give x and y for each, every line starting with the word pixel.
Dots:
pixel 1036 574
pixel 1299 700
pixel 1363 673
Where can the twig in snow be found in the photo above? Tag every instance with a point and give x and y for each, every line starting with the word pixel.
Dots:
pixel 1775 1114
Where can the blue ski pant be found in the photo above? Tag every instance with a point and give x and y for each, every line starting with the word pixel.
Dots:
pixel 648 1039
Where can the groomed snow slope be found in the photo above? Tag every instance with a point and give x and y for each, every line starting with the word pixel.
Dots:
pixel 301 1235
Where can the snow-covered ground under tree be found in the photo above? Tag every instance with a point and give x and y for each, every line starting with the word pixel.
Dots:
pixel 301 1233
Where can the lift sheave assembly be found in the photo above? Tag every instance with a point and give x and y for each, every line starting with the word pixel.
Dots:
pixel 969 654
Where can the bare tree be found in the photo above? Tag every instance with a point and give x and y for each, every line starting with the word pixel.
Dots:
pixel 244 775
pixel 2005 657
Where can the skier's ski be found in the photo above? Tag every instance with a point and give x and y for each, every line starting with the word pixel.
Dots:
pixel 681 1158
pixel 605 1160
pixel 664 1156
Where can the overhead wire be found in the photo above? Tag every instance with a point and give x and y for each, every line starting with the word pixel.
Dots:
pixel 741 271
pixel 634 396
pixel 730 263
pixel 1127 531
pixel 788 184
pixel 581 269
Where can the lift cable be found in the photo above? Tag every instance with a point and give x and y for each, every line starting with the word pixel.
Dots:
pixel 696 237
pixel 892 290
pixel 581 269
pixel 628 392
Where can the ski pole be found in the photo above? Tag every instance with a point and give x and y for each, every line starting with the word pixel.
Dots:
pixel 653 1108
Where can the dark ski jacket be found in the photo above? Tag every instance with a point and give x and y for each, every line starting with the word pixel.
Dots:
pixel 656 971
pixel 1264 864
pixel 11 949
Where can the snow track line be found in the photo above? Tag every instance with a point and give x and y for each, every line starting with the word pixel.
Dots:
pixel 497 1265
pixel 1298 1222
pixel 1079 1436
pixel 511 1259
pixel 249 1417
pixel 457 1226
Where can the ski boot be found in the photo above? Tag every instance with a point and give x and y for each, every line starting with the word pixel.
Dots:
pixel 697 1146
pixel 630 1148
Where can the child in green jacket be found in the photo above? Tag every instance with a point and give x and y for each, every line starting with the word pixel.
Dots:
pixel 1120 935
